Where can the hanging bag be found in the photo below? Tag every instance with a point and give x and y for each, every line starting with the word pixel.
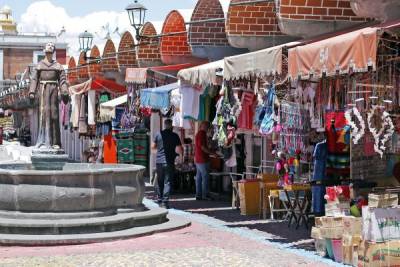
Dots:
pixel 267 124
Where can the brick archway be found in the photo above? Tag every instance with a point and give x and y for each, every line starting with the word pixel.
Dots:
pixel 208 33
pixel 126 52
pixel 72 75
pixel 83 69
pixel 95 66
pixel 310 18
pixel 253 25
pixel 109 62
pixel 149 54
pixel 175 48
pixel 209 39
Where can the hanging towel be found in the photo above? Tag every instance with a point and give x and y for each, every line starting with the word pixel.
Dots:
pixel 82 116
pixel 91 107
pixel 76 105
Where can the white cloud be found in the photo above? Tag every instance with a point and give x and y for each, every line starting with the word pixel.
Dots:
pixel 44 16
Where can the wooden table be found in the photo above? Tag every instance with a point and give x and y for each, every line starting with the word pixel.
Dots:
pixel 299 204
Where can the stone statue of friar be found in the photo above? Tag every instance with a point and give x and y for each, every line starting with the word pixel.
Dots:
pixel 49 84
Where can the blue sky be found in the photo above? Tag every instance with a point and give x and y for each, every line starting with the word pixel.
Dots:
pixel 105 19
pixel 158 9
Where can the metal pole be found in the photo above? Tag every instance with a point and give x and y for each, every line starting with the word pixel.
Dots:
pixel 205 20
pixel 252 2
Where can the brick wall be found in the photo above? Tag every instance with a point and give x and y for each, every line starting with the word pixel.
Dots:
pixel 72 72
pixel 61 56
pixel 109 62
pixel 83 69
pixel 149 52
pixel 175 45
pixel 252 19
pixel 330 10
pixel 16 61
pixel 208 33
pixel 127 59
pixel 95 66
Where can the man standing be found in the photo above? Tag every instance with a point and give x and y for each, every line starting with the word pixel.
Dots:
pixel 167 144
pixel 201 159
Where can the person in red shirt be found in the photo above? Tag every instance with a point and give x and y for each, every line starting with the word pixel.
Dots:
pixel 202 161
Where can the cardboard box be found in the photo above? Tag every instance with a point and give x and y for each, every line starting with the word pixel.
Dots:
pixel 316 233
pixel 331 221
pixel 379 254
pixel 381 225
pixel 383 200
pixel 352 225
pixel 348 252
pixel 318 222
pixel 337 209
pixel 332 232
pixel 249 196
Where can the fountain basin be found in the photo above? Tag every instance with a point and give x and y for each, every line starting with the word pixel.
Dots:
pixel 89 189
pixel 73 203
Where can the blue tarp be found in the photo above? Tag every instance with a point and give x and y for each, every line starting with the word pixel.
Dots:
pixel 158 97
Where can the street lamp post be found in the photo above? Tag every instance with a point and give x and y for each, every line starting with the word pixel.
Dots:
pixel 85 44
pixel 137 16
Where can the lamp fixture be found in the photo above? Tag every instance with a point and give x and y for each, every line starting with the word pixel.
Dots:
pixel 85 45
pixel 137 16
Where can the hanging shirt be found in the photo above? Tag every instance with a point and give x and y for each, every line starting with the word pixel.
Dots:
pixel 190 102
pixel 320 157
pixel 91 107
pixel 245 120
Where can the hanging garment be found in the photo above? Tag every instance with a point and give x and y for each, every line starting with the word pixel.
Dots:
pixel 267 123
pixel 191 101
pixel 83 127
pixel 245 120
pixel 320 158
pixel 91 107
pixel 63 113
pixel 76 106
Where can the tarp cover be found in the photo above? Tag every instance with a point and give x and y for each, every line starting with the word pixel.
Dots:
pixel 158 97
pixel 201 75
pixel 260 63
pixel 107 109
pixel 97 84
pixel 355 50
pixel 136 75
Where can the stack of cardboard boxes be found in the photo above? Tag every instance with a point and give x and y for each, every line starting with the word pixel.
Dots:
pixel 381 232
pixel 373 240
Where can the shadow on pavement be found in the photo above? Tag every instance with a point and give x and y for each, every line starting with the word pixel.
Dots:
pixel 277 231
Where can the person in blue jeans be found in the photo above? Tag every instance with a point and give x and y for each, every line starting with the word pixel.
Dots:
pixel 168 146
pixel 202 162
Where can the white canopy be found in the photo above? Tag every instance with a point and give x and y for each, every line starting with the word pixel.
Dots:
pixel 201 75
pixel 259 63
pixel 107 109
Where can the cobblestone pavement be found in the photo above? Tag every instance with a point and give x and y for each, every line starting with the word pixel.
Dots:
pixel 218 236
pixel 197 245
pixel 207 242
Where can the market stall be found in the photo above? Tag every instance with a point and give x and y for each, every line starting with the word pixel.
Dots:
pixel 82 128
pixel 355 100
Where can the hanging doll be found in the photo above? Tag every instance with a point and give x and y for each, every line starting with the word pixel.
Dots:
pixel 282 167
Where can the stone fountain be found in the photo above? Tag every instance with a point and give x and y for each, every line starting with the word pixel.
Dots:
pixel 51 201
